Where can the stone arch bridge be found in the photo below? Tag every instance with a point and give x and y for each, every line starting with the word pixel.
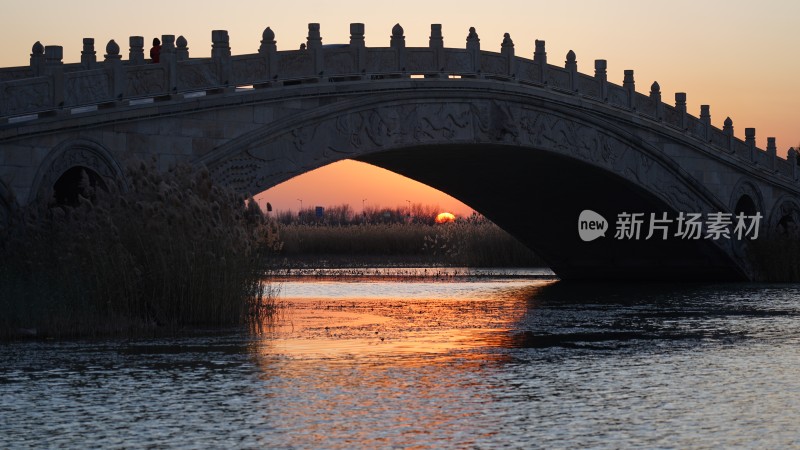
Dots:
pixel 528 144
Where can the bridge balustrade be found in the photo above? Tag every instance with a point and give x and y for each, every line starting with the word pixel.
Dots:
pixel 48 87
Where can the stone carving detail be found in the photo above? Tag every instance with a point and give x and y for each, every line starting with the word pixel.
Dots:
pixel 741 150
pixel 421 61
pixel 744 187
pixel 21 97
pixel 339 62
pixel 697 128
pixel 588 86
pixel 85 89
pixel 194 76
pixel 494 64
pixel 458 61
pixel 646 105
pixel 247 71
pixel 490 121
pixel 16 73
pixel 785 217
pixel 79 154
pixel 296 64
pixel 719 139
pixel 528 71
pixel 671 116
pixel 381 60
pixel 617 96
pixel 558 78
pixel 146 81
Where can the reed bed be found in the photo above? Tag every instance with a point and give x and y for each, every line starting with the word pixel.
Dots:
pixel 776 257
pixel 172 251
pixel 464 243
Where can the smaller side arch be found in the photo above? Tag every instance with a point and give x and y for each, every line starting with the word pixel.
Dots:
pixel 785 216
pixel 746 198
pixel 76 153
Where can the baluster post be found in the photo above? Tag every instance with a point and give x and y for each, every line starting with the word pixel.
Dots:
pixel 680 106
pixel 750 140
pixel 571 64
pixel 772 153
pixel 269 50
pixel 398 43
pixel 88 54
pixel 630 86
pixel 705 117
pixel 221 54
pixel 727 128
pixel 169 59
pixel 436 42
pixel 601 75
pixel 507 50
pixel 474 49
pixel 54 66
pixel 37 58
pixel 181 49
pixel 655 95
pixel 113 64
pixel 314 45
pixel 358 46
pixel 540 57
pixel 136 51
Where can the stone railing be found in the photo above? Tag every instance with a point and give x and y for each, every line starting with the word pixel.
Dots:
pixel 48 87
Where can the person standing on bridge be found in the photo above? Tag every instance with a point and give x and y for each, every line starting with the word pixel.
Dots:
pixel 155 51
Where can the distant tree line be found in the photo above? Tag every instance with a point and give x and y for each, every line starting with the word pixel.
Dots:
pixel 342 215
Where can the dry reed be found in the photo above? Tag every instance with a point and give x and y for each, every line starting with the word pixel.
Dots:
pixel 174 250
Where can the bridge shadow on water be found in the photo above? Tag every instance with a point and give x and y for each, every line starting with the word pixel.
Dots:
pixel 605 316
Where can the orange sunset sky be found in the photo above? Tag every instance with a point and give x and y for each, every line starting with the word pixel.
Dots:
pixel 740 57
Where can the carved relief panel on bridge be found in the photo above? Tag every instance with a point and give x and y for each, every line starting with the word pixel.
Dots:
pixel 646 105
pixel 558 78
pixel 143 80
pixel 494 64
pixel 458 61
pixel 588 85
pixel 247 70
pixel 24 96
pixel 528 71
pixel 381 59
pixel 617 96
pixel 86 88
pixel 421 60
pixel 339 61
pixel 196 75
pixel 296 64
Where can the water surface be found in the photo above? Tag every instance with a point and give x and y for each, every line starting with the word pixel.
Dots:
pixel 453 362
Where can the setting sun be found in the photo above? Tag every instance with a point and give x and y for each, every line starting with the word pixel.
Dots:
pixel 445 217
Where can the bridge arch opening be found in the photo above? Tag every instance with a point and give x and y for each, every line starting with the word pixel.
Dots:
pixel 77 182
pixel 537 196
pixel 745 205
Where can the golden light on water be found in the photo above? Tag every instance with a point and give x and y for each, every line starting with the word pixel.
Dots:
pixel 445 217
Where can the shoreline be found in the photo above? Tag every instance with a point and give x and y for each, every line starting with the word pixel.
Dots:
pixel 408 273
